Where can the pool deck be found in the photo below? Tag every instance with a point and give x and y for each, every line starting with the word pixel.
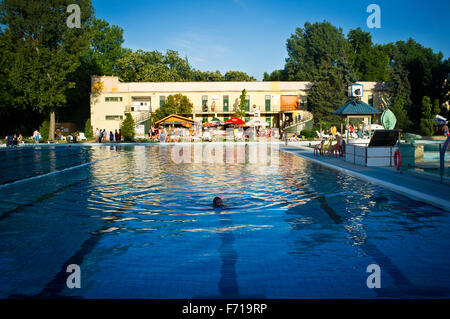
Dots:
pixel 414 187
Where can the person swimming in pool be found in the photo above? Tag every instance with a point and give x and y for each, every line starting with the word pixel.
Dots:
pixel 217 202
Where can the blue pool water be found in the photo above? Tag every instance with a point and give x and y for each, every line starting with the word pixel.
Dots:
pixel 141 226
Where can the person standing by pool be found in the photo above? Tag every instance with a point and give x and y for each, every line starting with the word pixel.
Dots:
pixel 445 130
pixel 120 135
pixel 162 136
pixel 104 136
pixel 116 136
pixel 97 135
pixel 111 137
pixel 36 136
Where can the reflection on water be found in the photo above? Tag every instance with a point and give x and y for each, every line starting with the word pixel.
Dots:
pixel 142 226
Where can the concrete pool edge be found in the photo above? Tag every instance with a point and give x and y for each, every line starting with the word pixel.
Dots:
pixel 439 202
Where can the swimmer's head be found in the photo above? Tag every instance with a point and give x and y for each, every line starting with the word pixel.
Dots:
pixel 217 202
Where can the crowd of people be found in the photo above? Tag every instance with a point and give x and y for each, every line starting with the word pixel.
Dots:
pixel 14 140
pixel 101 136
pixel 183 134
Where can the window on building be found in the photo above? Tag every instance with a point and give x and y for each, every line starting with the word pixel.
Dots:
pixel 225 103
pixel 371 100
pixel 267 102
pixel 113 99
pixel 162 100
pixel 247 103
pixel 114 117
pixel 205 103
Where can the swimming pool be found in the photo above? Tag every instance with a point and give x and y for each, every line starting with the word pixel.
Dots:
pixel 142 226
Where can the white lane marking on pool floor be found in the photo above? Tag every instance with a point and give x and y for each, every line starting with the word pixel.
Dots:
pixel 56 172
pixel 415 195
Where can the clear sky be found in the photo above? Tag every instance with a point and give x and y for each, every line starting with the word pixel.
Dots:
pixel 250 35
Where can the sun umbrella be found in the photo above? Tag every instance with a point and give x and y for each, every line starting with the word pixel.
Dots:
pixel 186 124
pixel 234 120
pixel 440 119
pixel 256 122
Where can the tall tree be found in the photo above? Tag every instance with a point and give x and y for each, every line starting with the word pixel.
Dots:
pixel 398 108
pixel 174 104
pixel 239 110
pixel 238 76
pixel 44 50
pixel 400 88
pixel 429 112
pixel 101 58
pixel 106 46
pixel 423 66
pixel 277 75
pixel 311 46
pixel 370 62
pixel 327 94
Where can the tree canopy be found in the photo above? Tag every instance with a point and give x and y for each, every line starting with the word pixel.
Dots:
pixel 42 51
pixel 174 104
pixel 320 53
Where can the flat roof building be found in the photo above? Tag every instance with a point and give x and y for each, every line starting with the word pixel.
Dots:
pixel 274 102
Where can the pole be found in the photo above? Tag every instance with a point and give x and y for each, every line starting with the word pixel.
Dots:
pixel 348 128
pixel 441 163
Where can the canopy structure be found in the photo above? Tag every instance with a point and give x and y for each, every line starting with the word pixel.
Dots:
pixel 174 119
pixel 214 122
pixel 440 120
pixel 357 109
pixel 235 120
pixel 256 121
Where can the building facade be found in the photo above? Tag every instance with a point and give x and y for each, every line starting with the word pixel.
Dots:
pixel 274 102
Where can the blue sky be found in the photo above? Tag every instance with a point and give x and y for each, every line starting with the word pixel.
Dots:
pixel 250 35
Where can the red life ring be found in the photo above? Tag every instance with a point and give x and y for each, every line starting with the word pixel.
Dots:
pixel 397 159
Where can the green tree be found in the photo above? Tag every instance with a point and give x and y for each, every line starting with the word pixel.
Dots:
pixel 400 88
pixel 239 110
pixel 88 129
pixel 208 76
pixel 309 47
pixel 174 104
pixel 327 94
pixel 154 66
pixel 277 75
pixel 370 62
pixel 426 75
pixel 238 76
pixel 43 51
pixel 429 112
pixel 44 129
pixel 128 128
pixel 106 46
pixel 100 59
pixel 400 113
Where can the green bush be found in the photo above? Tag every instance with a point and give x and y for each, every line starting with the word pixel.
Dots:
pixel 88 129
pixel 308 133
pixel 127 128
pixel 43 129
